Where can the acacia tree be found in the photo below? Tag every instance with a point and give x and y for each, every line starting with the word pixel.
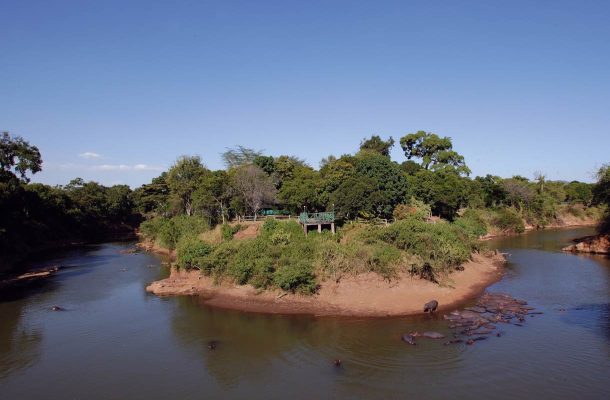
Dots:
pixel 239 156
pixel 183 178
pixel 434 151
pixel 254 186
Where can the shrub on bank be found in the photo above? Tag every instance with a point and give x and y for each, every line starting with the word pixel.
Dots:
pixel 472 222
pixel 168 231
pixel 280 256
pixel 508 219
pixel 190 251
pixel 228 231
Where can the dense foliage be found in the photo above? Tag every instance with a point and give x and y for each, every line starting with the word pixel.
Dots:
pixel 189 199
pixel 279 257
pixel 35 215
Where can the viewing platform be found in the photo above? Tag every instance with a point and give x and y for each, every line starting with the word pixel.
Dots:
pixel 317 219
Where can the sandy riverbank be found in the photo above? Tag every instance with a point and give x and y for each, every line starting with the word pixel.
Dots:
pixel 361 295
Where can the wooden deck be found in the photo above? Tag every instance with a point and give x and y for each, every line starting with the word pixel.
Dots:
pixel 317 219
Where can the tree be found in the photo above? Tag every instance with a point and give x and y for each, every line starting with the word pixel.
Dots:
pixel 579 192
pixel 601 190
pixel 354 197
pixel 492 190
pixel 266 163
pixel 518 191
pixel 285 167
pixel 389 180
pixel 183 178
pixel 446 191
pixel 17 157
pixel 601 194
pixel 214 193
pixel 337 170
pixel 153 196
pixel 540 177
pixel 435 152
pixel 302 190
pixel 239 156
pixel 254 187
pixel 119 202
pixel 377 145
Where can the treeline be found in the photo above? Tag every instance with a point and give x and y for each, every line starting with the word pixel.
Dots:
pixel 366 185
pixel 34 215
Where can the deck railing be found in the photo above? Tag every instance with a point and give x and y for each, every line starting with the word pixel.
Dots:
pixel 317 218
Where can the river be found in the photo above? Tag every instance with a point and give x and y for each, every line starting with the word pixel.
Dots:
pixel 115 341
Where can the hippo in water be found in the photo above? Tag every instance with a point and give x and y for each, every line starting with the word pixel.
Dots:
pixel 57 308
pixel 431 306
pixel 408 338
pixel 433 335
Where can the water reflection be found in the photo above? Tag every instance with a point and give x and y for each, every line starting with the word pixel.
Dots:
pixel 19 343
pixel 117 341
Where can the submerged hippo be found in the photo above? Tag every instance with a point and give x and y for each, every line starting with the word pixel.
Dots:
pixel 433 335
pixel 337 362
pixel 431 306
pixel 57 308
pixel 408 338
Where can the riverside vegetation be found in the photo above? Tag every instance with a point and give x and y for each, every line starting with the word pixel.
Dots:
pixel 439 212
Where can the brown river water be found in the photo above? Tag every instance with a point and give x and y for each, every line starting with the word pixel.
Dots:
pixel 115 341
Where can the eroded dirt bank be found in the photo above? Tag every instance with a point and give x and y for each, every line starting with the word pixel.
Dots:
pixel 598 244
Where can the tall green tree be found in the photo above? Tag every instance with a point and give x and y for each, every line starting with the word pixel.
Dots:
pixel 152 197
pixel 445 191
pixel 214 195
pixel 17 158
pixel 183 178
pixel 435 152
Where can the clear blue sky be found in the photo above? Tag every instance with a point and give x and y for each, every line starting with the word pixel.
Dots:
pixel 114 91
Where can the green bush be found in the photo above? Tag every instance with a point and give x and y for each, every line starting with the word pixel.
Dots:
pixel 439 247
pixel 168 231
pixel 228 231
pixel 472 222
pixel 191 251
pixel 413 209
pixel 383 259
pixel 509 219
pixel 296 277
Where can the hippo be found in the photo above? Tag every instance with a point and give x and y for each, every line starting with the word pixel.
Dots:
pixel 433 335
pixel 409 339
pixel 57 308
pixel 337 362
pixel 212 344
pixel 431 306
